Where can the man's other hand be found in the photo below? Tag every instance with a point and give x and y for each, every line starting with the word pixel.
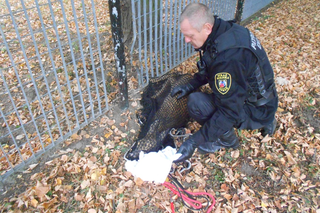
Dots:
pixel 186 149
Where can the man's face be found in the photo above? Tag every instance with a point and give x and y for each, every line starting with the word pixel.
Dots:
pixel 193 36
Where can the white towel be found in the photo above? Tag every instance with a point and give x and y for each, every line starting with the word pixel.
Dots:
pixel 153 166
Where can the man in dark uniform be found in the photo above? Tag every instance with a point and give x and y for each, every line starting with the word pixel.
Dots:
pixel 239 73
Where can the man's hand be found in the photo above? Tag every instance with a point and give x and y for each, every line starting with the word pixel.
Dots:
pixel 186 149
pixel 185 89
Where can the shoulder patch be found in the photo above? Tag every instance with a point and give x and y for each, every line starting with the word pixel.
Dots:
pixel 223 82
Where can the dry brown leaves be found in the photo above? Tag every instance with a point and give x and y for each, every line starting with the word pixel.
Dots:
pixel 270 174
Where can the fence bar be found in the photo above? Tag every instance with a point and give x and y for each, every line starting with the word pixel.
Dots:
pixel 101 61
pixel 53 66
pixel 63 61
pixel 42 69
pixel 150 38
pixel 141 71
pixel 7 124
pixel 171 37
pixel 134 27
pixel 161 40
pixel 74 62
pixel 92 61
pixel 166 38
pixel 239 11
pixel 179 40
pixel 175 17
pixel 84 64
pixel 145 36
pixel 32 78
pixel 156 42
pixel 115 16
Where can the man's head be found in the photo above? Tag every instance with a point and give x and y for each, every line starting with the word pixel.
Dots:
pixel 196 22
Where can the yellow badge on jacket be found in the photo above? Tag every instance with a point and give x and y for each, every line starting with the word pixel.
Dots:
pixel 223 82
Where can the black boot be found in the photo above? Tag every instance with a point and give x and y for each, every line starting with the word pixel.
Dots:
pixel 227 140
pixel 269 129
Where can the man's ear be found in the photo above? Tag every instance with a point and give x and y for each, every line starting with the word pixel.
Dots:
pixel 207 28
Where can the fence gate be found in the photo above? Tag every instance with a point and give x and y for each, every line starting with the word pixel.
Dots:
pixel 52 79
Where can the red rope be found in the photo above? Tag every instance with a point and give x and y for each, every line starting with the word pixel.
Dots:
pixel 194 203
pixel 172 206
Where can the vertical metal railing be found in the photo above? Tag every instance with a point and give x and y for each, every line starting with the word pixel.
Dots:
pixel 52 78
pixel 158 43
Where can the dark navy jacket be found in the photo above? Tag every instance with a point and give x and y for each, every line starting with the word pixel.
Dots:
pixel 228 75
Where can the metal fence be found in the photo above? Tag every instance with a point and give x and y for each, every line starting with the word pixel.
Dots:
pixel 52 79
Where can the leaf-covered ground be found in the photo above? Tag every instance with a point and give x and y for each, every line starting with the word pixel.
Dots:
pixel 270 174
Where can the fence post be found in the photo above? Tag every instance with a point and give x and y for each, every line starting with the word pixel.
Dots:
pixel 239 11
pixel 117 35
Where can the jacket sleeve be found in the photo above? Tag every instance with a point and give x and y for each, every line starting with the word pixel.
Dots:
pixel 229 105
pixel 200 78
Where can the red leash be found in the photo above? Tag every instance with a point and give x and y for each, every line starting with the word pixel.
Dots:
pixel 189 197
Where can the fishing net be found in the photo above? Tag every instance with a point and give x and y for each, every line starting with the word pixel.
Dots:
pixel 159 114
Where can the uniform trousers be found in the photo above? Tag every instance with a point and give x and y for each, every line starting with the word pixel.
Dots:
pixel 201 107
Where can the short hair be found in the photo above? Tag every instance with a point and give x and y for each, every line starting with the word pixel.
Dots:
pixel 198 14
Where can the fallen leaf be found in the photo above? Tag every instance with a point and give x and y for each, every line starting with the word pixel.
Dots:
pixel 235 154
pixel 227 196
pixel 75 136
pixel 138 181
pixel 107 135
pixel 85 184
pixel 134 104
pixel 290 158
pixel 19 137
pixel 78 197
pixel 34 203
pixel 41 191
pixel 32 166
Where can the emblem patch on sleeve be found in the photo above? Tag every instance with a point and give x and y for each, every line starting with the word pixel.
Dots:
pixel 223 82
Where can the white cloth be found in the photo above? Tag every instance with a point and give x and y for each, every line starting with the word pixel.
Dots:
pixel 153 166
